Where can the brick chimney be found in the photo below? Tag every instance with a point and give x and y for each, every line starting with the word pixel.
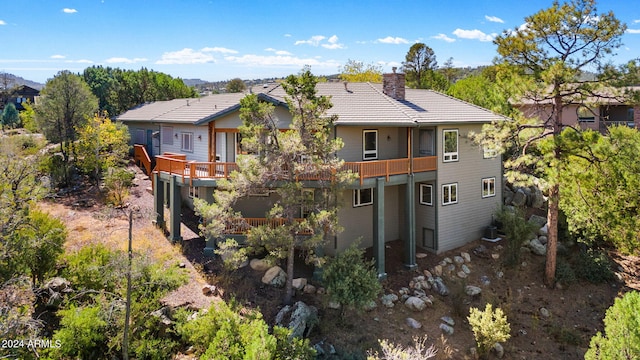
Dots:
pixel 393 84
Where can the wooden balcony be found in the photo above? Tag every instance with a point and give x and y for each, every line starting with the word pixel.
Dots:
pixel 176 164
pixel 242 226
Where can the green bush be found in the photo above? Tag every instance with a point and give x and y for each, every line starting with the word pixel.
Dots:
pixel 221 333
pixel 117 181
pixel 489 327
pixel 518 231
pixel 350 280
pixel 82 333
pixel 564 273
pixel 97 274
pixel 594 266
pixel 622 331
pixel 44 238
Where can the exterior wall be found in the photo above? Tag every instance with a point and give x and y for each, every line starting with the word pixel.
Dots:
pixel 145 127
pixel 465 221
pixel 233 121
pixel 358 221
pixel 425 215
pixel 392 142
pixel 200 145
pixel 569 115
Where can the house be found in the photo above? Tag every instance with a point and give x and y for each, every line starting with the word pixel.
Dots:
pixel 597 113
pixel 21 95
pixel 420 178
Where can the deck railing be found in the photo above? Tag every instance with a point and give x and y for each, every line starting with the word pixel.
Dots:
pixel 178 165
pixel 241 226
pixel 141 157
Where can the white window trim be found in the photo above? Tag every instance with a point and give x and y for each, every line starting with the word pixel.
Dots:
pixel 357 197
pixel 189 135
pixel 449 187
pixel 490 184
pixel 429 188
pixel 449 156
pixel 194 192
pixel 366 154
pixel 489 152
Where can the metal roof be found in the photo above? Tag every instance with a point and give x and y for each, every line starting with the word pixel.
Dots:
pixel 356 104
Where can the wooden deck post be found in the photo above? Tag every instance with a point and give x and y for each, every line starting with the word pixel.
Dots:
pixel 410 224
pixel 378 227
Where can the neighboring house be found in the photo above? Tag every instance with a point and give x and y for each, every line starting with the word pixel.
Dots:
pixel 420 178
pixel 596 114
pixel 21 95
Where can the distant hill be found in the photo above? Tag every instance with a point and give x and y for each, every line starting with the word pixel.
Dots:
pixel 9 80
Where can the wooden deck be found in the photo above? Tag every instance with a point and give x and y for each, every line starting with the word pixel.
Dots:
pixel 177 164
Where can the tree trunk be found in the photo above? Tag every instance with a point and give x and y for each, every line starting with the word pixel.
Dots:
pixel 288 294
pixel 552 236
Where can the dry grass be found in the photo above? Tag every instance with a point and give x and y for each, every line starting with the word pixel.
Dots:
pixel 88 227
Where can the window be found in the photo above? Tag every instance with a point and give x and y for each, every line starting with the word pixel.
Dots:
pixel 362 197
pixel 426 193
pixel 370 144
pixel 425 142
pixel 449 194
pixel 488 187
pixel 194 192
pixel 586 115
pixel 167 135
pixel 187 142
pixel 489 152
pixel 139 137
pixel 450 145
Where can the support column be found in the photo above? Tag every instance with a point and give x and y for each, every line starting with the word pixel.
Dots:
pixel 378 227
pixel 167 193
pixel 175 210
pixel 410 224
pixel 158 201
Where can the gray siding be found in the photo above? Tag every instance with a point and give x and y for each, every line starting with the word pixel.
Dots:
pixel 233 121
pixel 200 145
pixel 425 214
pixel 144 127
pixel 358 221
pixel 392 142
pixel 465 221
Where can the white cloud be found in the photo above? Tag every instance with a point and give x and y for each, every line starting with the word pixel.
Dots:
pixel 333 43
pixel 636 21
pixel 288 61
pixel 494 19
pixel 69 11
pixel 444 38
pixel 393 40
pixel 57 56
pixel 219 50
pixel 474 35
pixel 81 61
pixel 2 22
pixel 185 56
pixel 123 60
pixel 633 31
pixel 287 35
pixel 313 41
pixel 278 52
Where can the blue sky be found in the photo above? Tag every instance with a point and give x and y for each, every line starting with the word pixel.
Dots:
pixel 219 40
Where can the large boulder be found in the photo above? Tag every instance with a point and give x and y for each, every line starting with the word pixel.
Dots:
pixel 438 285
pixel 260 264
pixel 275 276
pixel 537 248
pixel 519 198
pixel 299 318
pixel 415 303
